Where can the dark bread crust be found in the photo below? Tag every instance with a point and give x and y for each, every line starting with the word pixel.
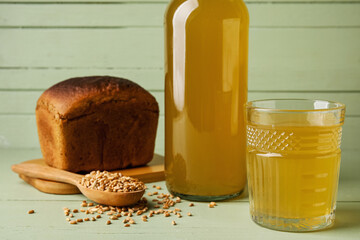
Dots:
pixel 97 123
pixel 76 96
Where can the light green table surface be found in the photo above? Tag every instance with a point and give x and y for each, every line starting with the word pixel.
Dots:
pixel 229 220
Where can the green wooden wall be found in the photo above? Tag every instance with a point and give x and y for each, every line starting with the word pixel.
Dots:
pixel 298 49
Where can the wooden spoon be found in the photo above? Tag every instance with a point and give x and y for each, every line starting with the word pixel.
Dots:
pixel 54 174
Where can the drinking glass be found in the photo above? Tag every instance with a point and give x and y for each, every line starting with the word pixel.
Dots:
pixel 293 161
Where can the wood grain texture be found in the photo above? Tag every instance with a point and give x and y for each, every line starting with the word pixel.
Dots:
pixel 40 79
pixel 287 51
pixel 166 1
pixel 50 187
pixel 135 14
pixel 217 223
pixel 297 59
pixel 27 78
pixel 228 220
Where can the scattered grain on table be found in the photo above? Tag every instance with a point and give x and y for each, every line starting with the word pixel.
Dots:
pixel 165 203
pixel 212 204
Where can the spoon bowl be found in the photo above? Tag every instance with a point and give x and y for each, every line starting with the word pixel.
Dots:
pixel 101 197
pixel 112 198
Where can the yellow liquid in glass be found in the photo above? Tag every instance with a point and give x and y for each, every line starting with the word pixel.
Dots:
pixel 293 171
pixel 205 92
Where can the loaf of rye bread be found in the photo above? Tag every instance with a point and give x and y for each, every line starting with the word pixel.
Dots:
pixel 96 123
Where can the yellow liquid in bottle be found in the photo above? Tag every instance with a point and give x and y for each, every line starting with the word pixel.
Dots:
pixel 205 93
pixel 297 177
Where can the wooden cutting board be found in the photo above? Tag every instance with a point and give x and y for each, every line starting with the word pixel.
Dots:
pixel 152 172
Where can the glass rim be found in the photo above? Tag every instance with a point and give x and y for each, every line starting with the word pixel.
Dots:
pixel 337 105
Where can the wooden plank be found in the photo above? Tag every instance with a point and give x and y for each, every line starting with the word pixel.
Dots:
pixel 166 1
pixel 349 168
pixel 153 79
pixel 315 54
pixel 227 221
pixel 293 55
pixel 80 15
pixel 304 15
pixel 349 188
pixel 18 197
pixel 218 223
pixel 24 102
pixel 147 14
pixel 41 79
pixel 74 48
pixel 19 131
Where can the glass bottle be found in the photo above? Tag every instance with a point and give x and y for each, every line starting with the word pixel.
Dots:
pixel 206 61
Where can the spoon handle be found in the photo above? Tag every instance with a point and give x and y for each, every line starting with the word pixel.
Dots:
pixel 46 172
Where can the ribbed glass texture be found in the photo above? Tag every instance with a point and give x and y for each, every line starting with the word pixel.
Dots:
pixel 293 160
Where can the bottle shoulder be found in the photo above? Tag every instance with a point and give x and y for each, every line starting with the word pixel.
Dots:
pixel 207 8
